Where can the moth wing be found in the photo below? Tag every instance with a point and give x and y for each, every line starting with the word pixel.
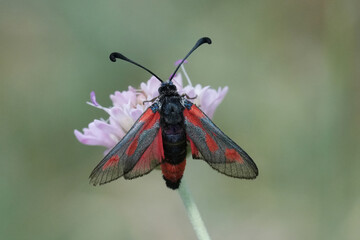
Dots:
pixel 208 142
pixel 131 151
pixel 149 160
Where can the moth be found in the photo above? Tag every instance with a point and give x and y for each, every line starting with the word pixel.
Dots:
pixel 161 135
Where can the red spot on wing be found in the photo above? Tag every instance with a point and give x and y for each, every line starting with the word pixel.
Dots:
pixel 233 155
pixel 132 148
pixel 111 162
pixel 210 142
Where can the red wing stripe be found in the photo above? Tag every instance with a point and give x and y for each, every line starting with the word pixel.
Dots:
pixel 154 152
pixel 194 117
pixel 210 142
pixel 152 157
pixel 132 148
pixel 149 120
pixel 146 116
pixel 111 162
pixel 194 150
pixel 233 155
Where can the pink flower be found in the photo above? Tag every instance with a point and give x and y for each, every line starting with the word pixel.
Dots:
pixel 129 105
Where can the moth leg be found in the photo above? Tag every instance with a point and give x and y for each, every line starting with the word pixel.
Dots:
pixel 151 101
pixel 185 95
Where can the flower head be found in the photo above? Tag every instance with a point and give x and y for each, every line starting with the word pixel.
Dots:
pixel 128 106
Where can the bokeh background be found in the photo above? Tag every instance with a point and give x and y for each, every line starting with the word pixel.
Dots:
pixel 293 71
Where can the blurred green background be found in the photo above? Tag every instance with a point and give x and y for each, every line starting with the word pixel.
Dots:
pixel 293 71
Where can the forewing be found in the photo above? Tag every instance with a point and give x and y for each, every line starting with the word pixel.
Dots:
pixel 126 154
pixel 208 142
pixel 149 160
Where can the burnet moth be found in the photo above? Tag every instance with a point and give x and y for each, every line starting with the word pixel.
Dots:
pixel 161 135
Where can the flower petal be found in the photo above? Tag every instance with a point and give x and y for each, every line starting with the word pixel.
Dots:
pixel 98 133
pixel 124 97
pixel 179 61
pixel 150 89
pixel 177 80
pixel 211 99
pixel 93 98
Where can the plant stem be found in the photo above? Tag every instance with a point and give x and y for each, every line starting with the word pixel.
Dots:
pixel 193 212
pixel 186 75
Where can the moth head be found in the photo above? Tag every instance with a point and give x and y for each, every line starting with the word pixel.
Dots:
pixel 167 87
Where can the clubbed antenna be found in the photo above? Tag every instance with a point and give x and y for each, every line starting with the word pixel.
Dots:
pixel 113 56
pixel 198 44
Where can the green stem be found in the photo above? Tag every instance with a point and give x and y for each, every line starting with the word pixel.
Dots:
pixel 193 212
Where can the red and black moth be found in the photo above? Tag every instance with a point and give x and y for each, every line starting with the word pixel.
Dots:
pixel 161 135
